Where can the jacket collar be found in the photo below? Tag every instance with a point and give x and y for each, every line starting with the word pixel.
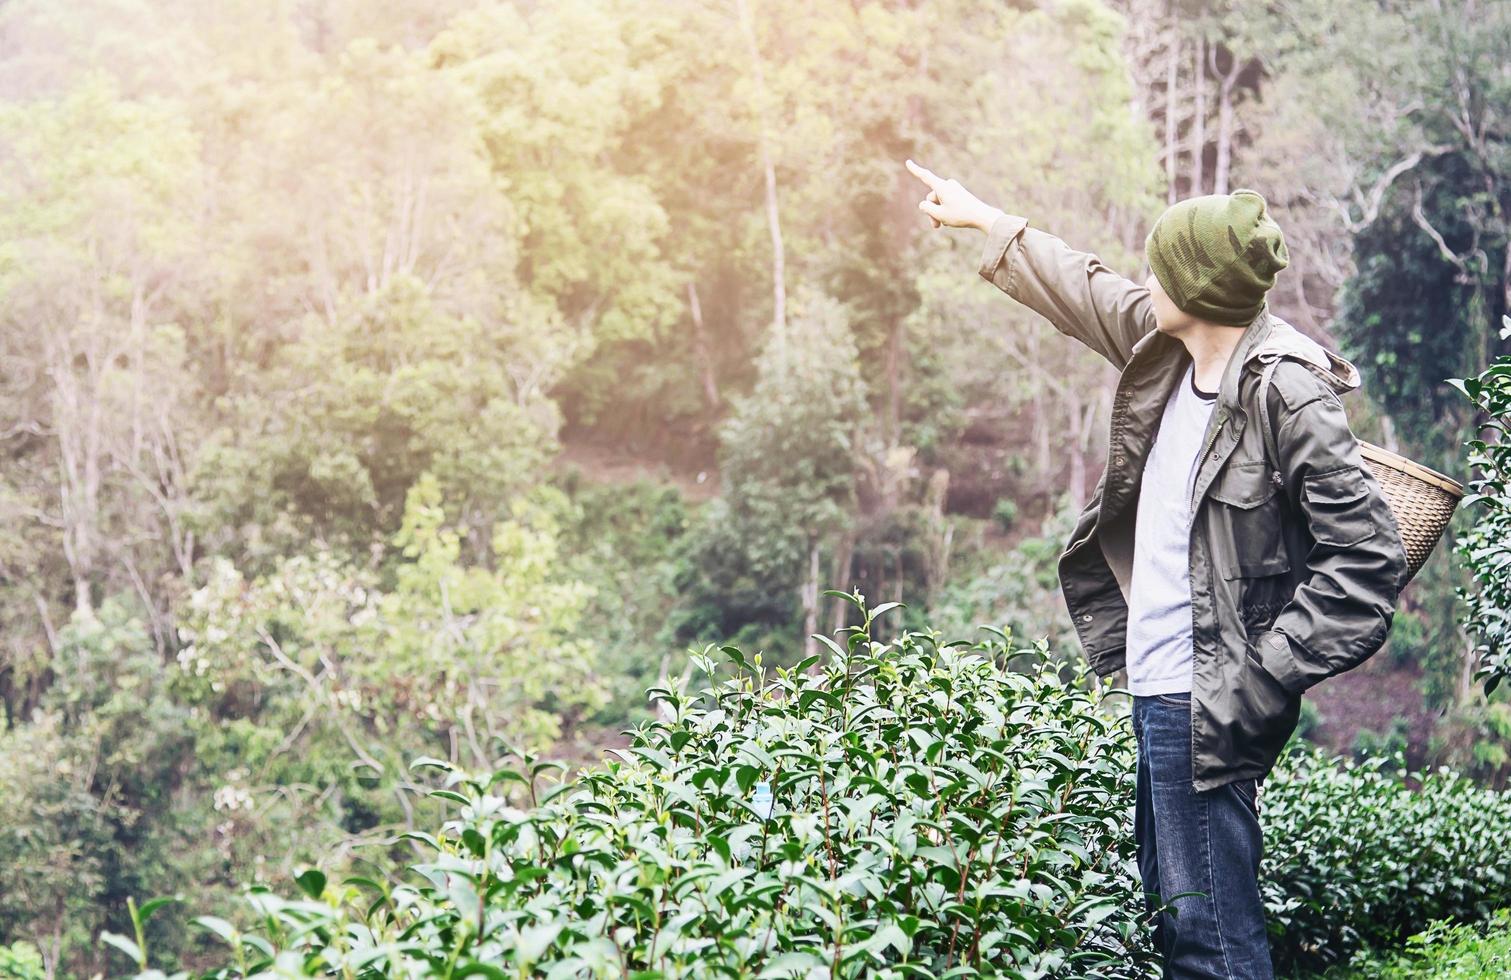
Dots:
pixel 1266 338
pixel 1284 340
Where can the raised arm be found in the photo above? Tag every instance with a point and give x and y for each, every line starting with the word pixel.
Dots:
pixel 1072 290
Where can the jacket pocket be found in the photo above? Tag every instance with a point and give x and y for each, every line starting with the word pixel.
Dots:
pixel 1269 712
pixel 1334 512
pixel 1248 791
pixel 1248 518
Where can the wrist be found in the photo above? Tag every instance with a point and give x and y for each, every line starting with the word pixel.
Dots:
pixel 988 217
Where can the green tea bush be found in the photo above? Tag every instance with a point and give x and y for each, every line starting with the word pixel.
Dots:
pixel 1356 856
pixel 1486 548
pixel 913 808
pixel 930 813
pixel 1445 950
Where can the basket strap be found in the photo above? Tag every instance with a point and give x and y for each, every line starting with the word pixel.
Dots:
pixel 1265 424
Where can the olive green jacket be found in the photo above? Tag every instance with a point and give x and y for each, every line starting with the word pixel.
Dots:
pixel 1295 565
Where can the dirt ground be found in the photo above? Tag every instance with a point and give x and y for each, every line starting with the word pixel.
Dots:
pixel 1372 696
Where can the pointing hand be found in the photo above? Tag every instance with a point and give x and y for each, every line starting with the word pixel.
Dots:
pixel 948 203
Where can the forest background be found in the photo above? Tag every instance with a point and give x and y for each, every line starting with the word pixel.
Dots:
pixel 386 379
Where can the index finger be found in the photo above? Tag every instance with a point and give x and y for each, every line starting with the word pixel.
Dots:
pixel 923 173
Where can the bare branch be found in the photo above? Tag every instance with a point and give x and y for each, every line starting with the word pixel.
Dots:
pixel 1420 217
pixel 1371 202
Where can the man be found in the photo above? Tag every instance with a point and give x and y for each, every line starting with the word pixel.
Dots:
pixel 1227 577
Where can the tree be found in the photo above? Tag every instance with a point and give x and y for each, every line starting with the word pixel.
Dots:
pixel 97 274
pixel 788 460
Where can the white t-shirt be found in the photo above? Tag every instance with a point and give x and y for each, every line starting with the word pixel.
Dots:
pixel 1159 596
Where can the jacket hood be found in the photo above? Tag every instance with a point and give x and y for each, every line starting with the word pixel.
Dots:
pixel 1284 340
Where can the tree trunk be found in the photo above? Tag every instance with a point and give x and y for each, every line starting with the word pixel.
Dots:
pixel 935 494
pixel 1470 661
pixel 1077 476
pixel 1041 422
pixel 1199 119
pixel 773 215
pixel 844 555
pixel 902 582
pixel 1172 149
pixel 1388 434
pixel 77 408
pixel 1076 484
pixel 702 352
pixel 1087 422
pixel 1224 123
pixel 1303 306
pixel 810 600
pixel 894 385
pixel 55 947
pixel 946 543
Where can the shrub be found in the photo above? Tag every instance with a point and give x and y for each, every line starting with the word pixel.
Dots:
pixel 1486 548
pixel 1387 747
pixel 934 809
pixel 929 811
pixel 1005 513
pixel 21 961
pixel 1442 951
pixel 1357 857
pixel 1309 720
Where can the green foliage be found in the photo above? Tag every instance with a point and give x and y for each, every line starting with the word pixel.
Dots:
pixel 1408 316
pixel 279 729
pixel 476 649
pixel 21 961
pixel 1357 857
pixel 393 389
pixel 1018 590
pixel 1430 228
pixel 135 946
pixel 87 787
pixel 622 540
pixel 1408 644
pixel 931 811
pixel 1387 748
pixel 1490 753
pixel 299 299
pixel 787 452
pixel 788 461
pixel 572 75
pixel 1309 719
pixel 1445 950
pixel 1005 513
pixel 1476 738
pixel 1486 548
pixel 1426 199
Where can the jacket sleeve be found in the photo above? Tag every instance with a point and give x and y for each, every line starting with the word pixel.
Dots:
pixel 1341 612
pixel 1073 290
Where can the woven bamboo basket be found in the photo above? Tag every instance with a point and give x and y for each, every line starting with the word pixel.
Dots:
pixel 1421 499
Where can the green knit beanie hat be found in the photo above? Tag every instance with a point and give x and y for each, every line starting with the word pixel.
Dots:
pixel 1217 255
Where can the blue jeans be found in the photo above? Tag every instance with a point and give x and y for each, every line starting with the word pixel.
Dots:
pixel 1205 842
